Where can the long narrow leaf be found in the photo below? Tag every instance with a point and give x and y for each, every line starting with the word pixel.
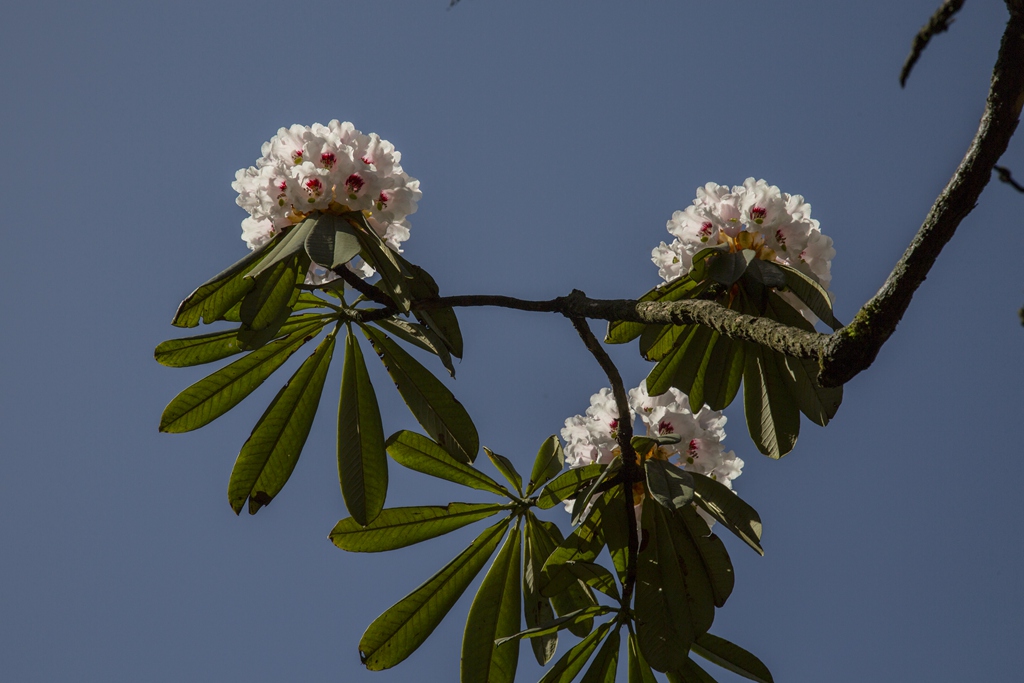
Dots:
pixel 419 453
pixel 214 297
pixel 290 245
pixel 639 669
pixel 773 418
pixel 212 396
pixel 362 460
pixel 812 294
pixel 545 538
pixel 602 669
pixel 272 450
pixel 268 300
pixel 553 626
pixel 431 403
pixel 567 484
pixel 207 348
pixel 397 633
pixel 732 657
pixel 729 509
pixel 549 462
pixel 671 486
pixel 493 616
pixel 400 527
pixel 507 469
pixel 573 661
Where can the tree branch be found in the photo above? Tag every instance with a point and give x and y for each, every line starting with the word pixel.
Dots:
pixel 938 23
pixel 1007 177
pixel 852 349
pixel 624 436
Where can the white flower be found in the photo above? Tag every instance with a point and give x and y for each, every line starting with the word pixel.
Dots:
pixel 591 437
pixel 304 169
pixel 780 224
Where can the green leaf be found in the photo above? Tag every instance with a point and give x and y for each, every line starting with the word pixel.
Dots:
pixel 697 586
pixel 658 341
pixel 214 297
pixel 713 555
pixel 493 616
pixel 400 527
pixel 699 266
pixel 620 332
pixel 593 575
pixel 567 484
pixel 718 379
pixel 549 462
pixel 818 403
pixel 732 657
pixel 536 607
pixel 639 669
pixel 584 544
pixel 441 320
pixel 419 453
pixel 811 293
pixel 397 633
pixel 665 627
pixel 290 245
pixel 331 242
pixel 573 661
pixel 670 486
pixel 207 348
pixel 602 669
pixel 418 335
pixel 382 259
pixel 546 538
pixel 268 301
pixel 728 268
pixel 664 373
pixel 773 418
pixel 431 403
pixel 269 455
pixel 214 395
pixel 362 460
pixel 766 273
pixel 690 672
pixel 507 469
pixel 553 626
pixel 615 526
pixel 582 503
pixel 729 509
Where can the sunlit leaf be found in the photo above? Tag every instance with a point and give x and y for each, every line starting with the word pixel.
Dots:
pixel 400 527
pixel 267 302
pixel 567 484
pixel 442 416
pixel 419 453
pixel 214 395
pixel 212 299
pixel 507 469
pixel 639 669
pixel 270 453
pixel 397 633
pixel 287 248
pixel 536 608
pixel 553 626
pixel 362 460
pixel 546 537
pixel 418 335
pixel 494 615
pixel 573 661
pixel 382 259
pixel 602 669
pixel 549 462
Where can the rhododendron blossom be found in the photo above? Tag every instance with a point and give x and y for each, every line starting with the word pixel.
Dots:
pixel 305 169
pixel 777 226
pixel 591 438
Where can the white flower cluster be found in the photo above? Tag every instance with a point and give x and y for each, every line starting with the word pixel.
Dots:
pixel 592 437
pixel 780 229
pixel 318 168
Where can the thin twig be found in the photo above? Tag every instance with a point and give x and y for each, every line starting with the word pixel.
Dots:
pixel 624 436
pixel 1007 177
pixel 938 23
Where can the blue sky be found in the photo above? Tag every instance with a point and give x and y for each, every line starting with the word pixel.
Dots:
pixel 553 140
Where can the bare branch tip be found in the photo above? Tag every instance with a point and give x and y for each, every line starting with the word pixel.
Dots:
pixel 938 23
